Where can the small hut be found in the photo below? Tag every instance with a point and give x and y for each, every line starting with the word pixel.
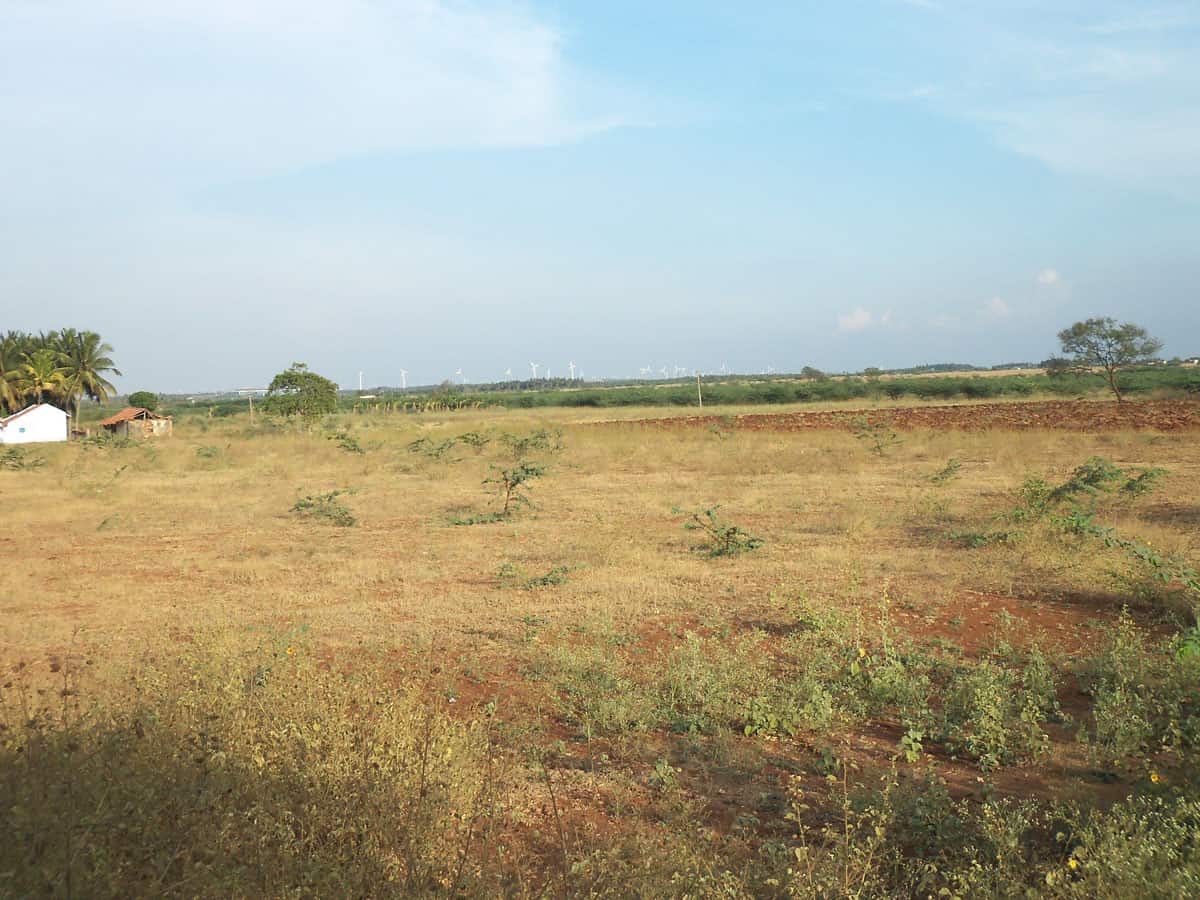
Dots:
pixel 138 422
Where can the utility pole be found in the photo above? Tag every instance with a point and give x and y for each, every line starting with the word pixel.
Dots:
pixel 699 396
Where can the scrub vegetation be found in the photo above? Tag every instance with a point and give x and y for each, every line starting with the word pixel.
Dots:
pixel 964 663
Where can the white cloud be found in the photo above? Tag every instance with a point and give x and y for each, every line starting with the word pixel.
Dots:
pixel 860 319
pixel 223 88
pixel 1108 89
pixel 1048 277
pixel 997 308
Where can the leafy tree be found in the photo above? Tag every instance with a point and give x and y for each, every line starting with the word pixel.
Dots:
pixel 296 391
pixel 1107 345
pixel 85 361
pixel 144 399
pixel 42 375
pixel 1057 366
pixel 12 353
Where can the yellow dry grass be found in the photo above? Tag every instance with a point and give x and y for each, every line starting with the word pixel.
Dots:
pixel 212 694
pixel 118 548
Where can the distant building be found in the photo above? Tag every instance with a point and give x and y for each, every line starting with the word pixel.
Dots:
pixel 40 423
pixel 137 422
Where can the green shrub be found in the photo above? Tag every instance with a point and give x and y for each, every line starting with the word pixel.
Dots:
pixel 326 508
pixel 595 693
pixel 1144 696
pixel 994 715
pixel 948 472
pixel 474 440
pixel 540 440
pixel 722 538
pixel 17 458
pixel 512 576
pixel 347 441
pixel 878 436
pixel 427 447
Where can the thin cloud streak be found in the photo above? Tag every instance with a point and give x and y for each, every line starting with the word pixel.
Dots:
pixel 203 91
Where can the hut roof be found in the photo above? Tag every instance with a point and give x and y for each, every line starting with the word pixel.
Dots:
pixel 131 412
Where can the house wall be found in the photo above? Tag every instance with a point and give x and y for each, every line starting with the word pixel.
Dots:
pixel 141 428
pixel 41 425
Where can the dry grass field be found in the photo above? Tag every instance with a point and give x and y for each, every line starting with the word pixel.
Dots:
pixel 925 677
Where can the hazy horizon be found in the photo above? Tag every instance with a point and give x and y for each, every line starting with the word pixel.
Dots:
pixel 221 189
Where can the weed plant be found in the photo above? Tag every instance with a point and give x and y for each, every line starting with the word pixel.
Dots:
pixel 18 458
pixel 348 442
pixel 326 508
pixel 948 472
pixel 878 436
pixel 721 537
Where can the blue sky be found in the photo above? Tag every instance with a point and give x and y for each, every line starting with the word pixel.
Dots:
pixel 221 188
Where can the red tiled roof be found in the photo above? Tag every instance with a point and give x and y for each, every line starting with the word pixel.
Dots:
pixel 131 412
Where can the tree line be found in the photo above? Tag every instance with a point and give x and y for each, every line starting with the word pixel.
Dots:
pixel 57 367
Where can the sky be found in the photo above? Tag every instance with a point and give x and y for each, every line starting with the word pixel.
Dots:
pixel 221 188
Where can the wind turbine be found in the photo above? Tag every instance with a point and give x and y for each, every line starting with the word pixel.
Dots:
pixel 404 379
pixel 571 366
pixel 534 366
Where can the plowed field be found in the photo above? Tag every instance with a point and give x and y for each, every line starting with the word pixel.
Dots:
pixel 1068 415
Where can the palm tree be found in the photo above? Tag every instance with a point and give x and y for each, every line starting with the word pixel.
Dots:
pixel 85 360
pixel 42 373
pixel 13 346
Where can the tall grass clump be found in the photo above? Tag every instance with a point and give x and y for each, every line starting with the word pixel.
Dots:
pixel 220 773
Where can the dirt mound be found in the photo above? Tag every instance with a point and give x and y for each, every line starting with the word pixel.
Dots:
pixel 1067 415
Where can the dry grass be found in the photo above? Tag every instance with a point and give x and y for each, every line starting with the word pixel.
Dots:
pixel 117 556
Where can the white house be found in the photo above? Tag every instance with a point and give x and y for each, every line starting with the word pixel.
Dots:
pixel 34 424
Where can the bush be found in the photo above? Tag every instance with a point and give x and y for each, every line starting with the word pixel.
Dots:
pixel 326 508
pixel 723 539
pixel 221 774
pixel 16 458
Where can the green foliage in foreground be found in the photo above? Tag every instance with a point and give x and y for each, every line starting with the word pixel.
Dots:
pixel 326 508
pixel 17 458
pixel 720 537
pixel 223 771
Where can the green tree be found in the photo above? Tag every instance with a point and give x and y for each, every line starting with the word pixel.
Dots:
pixel 13 347
pixel 299 392
pixel 41 375
pixel 1107 345
pixel 144 399
pixel 85 362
